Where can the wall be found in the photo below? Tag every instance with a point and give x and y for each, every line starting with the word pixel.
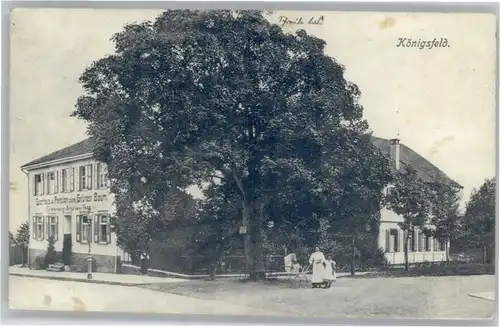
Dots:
pixel 71 204
pixel 390 220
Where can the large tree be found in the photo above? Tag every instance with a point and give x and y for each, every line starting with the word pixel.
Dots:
pixel 202 95
pixel 445 217
pixel 479 219
pixel 409 196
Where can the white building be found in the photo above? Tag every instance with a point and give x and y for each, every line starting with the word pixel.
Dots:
pixel 69 198
pixel 420 247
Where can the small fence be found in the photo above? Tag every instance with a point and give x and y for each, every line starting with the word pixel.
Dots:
pixel 16 255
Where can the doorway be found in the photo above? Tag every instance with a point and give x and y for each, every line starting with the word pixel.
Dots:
pixel 67 241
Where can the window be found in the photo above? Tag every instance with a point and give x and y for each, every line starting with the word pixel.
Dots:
pixel 102 175
pixel 102 231
pixel 435 244
pixel 85 177
pixel 427 243
pixel 38 228
pixel 52 182
pixel 52 227
pixel 421 241
pixel 393 240
pixel 442 245
pixel 83 230
pixel 38 181
pixel 411 241
pixel 67 180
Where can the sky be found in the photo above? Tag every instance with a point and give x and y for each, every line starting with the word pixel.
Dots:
pixel 440 101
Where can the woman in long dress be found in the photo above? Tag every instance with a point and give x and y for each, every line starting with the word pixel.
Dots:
pixel 317 261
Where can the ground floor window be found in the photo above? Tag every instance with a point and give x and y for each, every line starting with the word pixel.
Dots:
pixel 442 245
pixel 427 243
pixel 392 241
pixel 52 227
pixel 83 228
pixel 102 230
pixel 38 228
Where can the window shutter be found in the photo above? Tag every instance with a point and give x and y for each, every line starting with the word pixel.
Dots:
pixel 57 228
pixel 434 244
pixel 96 181
pixel 56 182
pixel 77 178
pixel 47 228
pixel 42 176
pixel 78 228
pixel 415 240
pixel 108 229
pixel 89 177
pixel 421 244
pixel 43 229
pixel 96 228
pixel 34 228
pixel 387 240
pixel 34 184
pixel 72 180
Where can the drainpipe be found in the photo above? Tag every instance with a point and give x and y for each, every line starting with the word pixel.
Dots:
pixel 29 217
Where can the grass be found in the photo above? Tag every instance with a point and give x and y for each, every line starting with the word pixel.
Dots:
pixel 423 297
pixel 452 269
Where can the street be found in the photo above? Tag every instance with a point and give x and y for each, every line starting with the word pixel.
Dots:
pixel 420 297
pixel 43 294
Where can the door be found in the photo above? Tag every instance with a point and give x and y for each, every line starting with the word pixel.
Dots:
pixel 67 240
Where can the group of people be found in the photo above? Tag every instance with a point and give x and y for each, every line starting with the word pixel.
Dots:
pixel 323 269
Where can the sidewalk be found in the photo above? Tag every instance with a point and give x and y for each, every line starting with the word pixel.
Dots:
pixel 97 278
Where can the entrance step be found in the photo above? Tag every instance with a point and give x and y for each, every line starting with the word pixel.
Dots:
pixel 56 267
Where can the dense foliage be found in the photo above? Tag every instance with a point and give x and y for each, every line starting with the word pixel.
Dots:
pixel 479 220
pixel 409 196
pixel 227 99
pixel 22 240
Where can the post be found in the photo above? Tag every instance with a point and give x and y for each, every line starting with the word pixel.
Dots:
pixel 243 231
pixel 353 259
pixel 89 257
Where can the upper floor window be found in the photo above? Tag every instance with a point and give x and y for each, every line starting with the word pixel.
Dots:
pixel 102 175
pixel 85 178
pixel 52 185
pixel 38 184
pixel 68 180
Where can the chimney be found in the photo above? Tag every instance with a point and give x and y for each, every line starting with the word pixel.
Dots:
pixel 394 151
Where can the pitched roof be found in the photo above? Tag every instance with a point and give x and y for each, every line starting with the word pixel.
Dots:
pixel 82 147
pixel 426 170
pixel 407 157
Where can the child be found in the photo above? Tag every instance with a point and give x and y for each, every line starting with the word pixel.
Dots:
pixel 330 275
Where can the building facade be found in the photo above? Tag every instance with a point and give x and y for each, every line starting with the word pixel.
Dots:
pixel 421 248
pixel 70 200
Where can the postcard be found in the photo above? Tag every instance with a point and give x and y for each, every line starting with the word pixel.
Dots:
pixel 268 163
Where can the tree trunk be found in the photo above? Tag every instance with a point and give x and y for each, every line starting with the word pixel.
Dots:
pixel 353 255
pixel 405 244
pixel 484 254
pixel 447 249
pixel 252 219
